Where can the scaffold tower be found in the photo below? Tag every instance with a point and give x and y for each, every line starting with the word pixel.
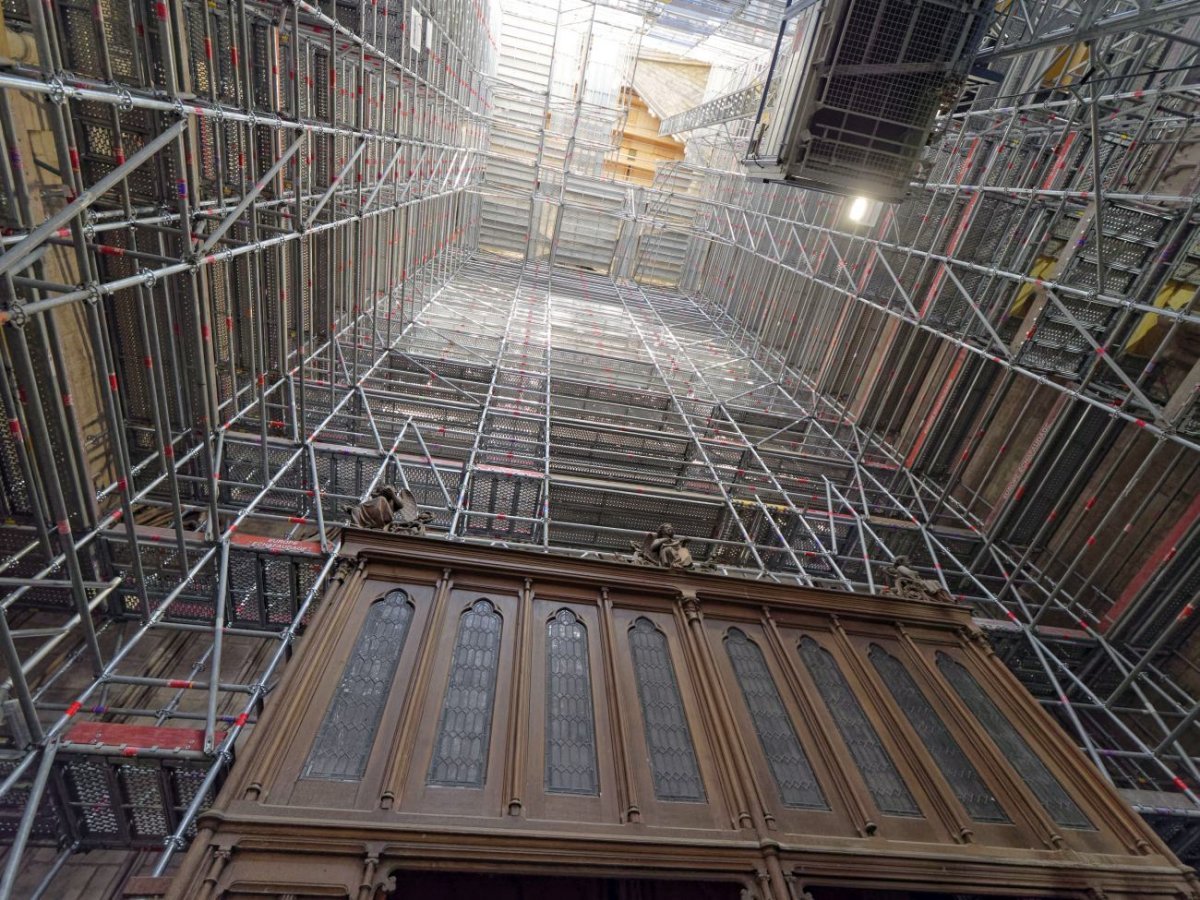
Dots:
pixel 261 258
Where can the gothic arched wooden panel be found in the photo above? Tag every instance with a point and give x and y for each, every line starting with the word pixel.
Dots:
pixel 789 764
pixel 887 787
pixel 673 765
pixel 460 752
pixel 570 719
pixel 1050 793
pixel 343 743
pixel 964 779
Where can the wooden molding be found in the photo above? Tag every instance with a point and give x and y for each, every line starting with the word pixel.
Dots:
pixel 313 837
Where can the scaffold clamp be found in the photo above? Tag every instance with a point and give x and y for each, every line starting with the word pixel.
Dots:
pixel 58 91
pixel 15 314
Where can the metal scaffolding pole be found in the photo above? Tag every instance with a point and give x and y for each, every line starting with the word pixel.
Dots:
pixel 176 460
pixel 352 245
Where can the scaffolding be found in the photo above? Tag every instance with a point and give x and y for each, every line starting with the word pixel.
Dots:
pixel 302 251
pixel 1019 339
pixel 220 218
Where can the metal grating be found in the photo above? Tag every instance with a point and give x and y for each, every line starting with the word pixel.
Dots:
pixel 535 405
pixel 857 88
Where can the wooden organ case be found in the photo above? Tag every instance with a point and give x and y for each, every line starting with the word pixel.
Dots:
pixel 474 709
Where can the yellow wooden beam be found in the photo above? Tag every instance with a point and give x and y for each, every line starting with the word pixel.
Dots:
pixel 1041 266
pixel 1150 330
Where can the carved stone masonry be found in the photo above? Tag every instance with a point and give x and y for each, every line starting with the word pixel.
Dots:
pixel 689 603
pixel 663 549
pixel 390 510
pixel 345 566
pixel 906 582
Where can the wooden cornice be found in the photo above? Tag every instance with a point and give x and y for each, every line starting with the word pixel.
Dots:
pixel 381 548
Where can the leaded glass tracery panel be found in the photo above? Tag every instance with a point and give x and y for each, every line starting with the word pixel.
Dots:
pixel 1063 810
pixel 963 777
pixel 883 780
pixel 570 721
pixel 798 785
pixel 673 765
pixel 343 743
pixel 460 750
